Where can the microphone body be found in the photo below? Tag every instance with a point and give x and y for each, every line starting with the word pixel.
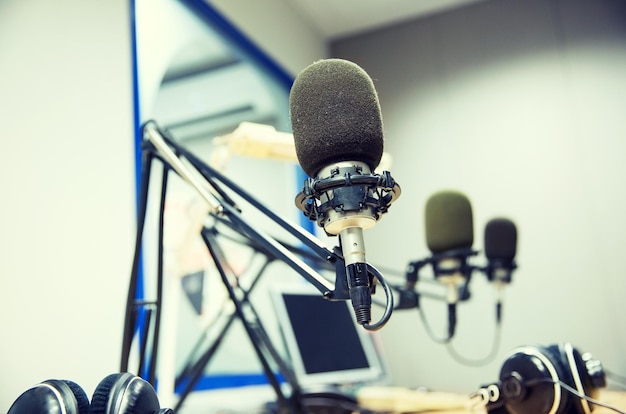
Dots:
pixel 338 136
pixel 449 237
pixel 500 249
pixel 348 222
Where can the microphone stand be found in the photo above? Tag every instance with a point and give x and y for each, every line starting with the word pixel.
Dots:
pixel 257 334
pixel 337 292
pixel 254 328
pixel 409 294
pixel 497 271
pixel 206 181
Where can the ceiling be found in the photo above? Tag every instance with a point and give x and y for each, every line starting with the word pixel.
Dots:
pixel 208 67
pixel 335 19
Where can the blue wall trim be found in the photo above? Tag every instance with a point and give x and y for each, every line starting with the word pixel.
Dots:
pixel 138 155
pixel 136 115
pixel 248 49
pixel 214 381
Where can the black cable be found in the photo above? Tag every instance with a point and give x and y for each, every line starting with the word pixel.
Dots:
pixel 495 345
pixel 389 304
pixel 451 324
pixel 412 276
pixel 451 319
pixel 159 293
pixel 144 342
pixel 130 318
pixel 480 361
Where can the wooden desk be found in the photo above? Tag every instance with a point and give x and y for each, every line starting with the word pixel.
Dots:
pixel 614 398
pixel 396 400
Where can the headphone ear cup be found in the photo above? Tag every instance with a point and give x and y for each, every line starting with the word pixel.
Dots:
pixel 52 396
pixel 124 393
pixel 80 395
pixel 558 355
pixel 100 397
pixel 594 376
pixel 527 381
pixel 585 375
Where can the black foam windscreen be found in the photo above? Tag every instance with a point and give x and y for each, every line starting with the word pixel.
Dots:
pixel 449 222
pixel 335 116
pixel 500 239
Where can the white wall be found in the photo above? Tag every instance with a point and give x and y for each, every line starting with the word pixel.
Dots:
pixel 277 29
pixel 67 215
pixel 520 106
pixel 68 218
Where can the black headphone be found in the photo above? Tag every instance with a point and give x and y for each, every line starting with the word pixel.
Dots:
pixel 121 393
pixel 556 379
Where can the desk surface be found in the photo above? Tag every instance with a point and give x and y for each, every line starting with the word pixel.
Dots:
pixel 401 400
pixel 392 400
pixel 614 398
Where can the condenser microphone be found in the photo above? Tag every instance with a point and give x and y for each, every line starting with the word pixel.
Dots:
pixel 449 237
pixel 338 135
pixel 335 117
pixel 500 249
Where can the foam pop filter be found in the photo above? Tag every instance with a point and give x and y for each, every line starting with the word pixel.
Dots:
pixel 500 239
pixel 335 116
pixel 449 223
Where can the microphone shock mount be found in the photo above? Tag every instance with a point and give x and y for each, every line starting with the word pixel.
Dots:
pixel 347 191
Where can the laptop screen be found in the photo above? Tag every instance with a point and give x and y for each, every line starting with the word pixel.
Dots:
pixel 325 345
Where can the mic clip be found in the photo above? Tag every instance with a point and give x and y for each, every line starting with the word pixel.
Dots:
pixel 412 272
pixel 347 189
pixel 500 270
pixel 407 299
pixel 452 262
pixel 451 268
